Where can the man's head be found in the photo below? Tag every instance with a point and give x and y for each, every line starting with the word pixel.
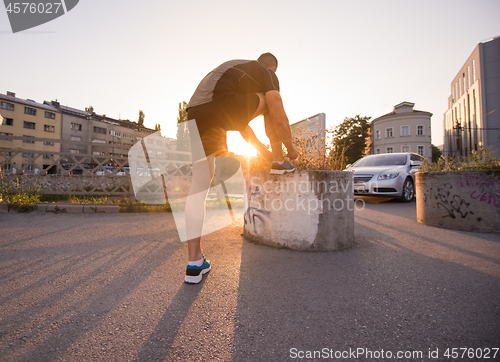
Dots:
pixel 269 61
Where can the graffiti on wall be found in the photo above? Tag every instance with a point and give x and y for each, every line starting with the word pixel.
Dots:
pixel 255 214
pixel 453 205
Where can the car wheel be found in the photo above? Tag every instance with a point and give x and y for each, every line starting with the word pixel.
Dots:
pixel 408 190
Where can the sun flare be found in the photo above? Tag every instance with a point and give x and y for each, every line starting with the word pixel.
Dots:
pixel 238 145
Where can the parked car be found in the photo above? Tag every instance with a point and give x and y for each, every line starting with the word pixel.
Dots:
pixel 386 175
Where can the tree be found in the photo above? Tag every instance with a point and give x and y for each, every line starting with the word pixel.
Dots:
pixel 183 142
pixel 89 109
pixel 140 121
pixel 350 136
pixel 436 153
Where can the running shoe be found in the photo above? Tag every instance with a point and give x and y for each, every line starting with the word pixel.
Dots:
pixel 195 273
pixel 280 169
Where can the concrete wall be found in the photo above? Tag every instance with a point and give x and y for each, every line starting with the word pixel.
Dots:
pixel 460 200
pixel 303 210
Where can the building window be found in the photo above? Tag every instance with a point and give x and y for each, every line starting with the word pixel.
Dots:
pixel 29 110
pixel 377 151
pixel 76 126
pixel 468 75
pixel 30 167
pixel 389 150
pixel 46 156
pixel 8 122
pixel 128 135
pixel 5 134
pixel 29 125
pixel 100 130
pixel 28 140
pixel 7 167
pixel 28 154
pixel 48 143
pixel 405 148
pixel 97 153
pixel 74 138
pixel 50 115
pixel 389 132
pixel 6 105
pixel 405 131
pixel 114 133
pixel 377 134
pixel 74 151
pixel 474 70
pixel 95 140
pixel 48 128
pixel 420 130
pixel 420 150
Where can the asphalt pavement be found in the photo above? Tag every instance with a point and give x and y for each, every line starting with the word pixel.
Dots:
pixel 109 287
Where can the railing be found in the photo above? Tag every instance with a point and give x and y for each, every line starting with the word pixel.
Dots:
pixel 50 172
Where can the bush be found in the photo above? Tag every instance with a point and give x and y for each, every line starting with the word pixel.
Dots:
pixel 482 159
pixel 21 201
pixel 313 154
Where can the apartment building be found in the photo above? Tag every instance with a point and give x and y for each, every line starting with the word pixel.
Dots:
pixel 472 120
pixel 22 121
pixel 402 130
pixel 90 133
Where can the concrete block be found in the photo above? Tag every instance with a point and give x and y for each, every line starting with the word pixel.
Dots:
pixel 89 209
pixel 303 210
pixel 41 207
pixel 63 208
pixel 107 208
pixel 459 200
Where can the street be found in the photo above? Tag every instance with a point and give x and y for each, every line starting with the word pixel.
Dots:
pixel 81 287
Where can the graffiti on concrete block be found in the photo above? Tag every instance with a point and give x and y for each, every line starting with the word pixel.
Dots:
pixel 478 180
pixel 486 196
pixel 253 214
pixel 453 205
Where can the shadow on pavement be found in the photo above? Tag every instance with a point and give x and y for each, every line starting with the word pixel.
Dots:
pixel 159 344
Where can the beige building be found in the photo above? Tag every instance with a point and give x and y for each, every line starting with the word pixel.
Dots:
pixel 472 120
pixel 23 119
pixel 402 130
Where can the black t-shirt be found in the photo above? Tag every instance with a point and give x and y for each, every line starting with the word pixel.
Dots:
pixel 234 76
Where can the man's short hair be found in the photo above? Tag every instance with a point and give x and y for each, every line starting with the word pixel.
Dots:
pixel 268 60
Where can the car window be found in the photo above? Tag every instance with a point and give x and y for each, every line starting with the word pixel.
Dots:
pixel 415 157
pixel 382 160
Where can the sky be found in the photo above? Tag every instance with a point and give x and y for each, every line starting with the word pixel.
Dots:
pixel 342 58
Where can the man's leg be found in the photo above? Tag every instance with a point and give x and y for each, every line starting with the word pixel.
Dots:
pixel 195 207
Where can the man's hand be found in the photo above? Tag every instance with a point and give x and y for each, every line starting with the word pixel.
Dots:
pixel 292 153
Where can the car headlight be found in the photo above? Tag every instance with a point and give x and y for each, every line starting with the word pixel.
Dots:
pixel 388 176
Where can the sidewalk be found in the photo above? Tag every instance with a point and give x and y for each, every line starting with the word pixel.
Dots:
pixel 110 287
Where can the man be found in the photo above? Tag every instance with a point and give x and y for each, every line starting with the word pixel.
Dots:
pixel 227 99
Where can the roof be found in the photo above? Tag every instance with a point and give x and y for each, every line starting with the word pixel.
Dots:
pixel 28 102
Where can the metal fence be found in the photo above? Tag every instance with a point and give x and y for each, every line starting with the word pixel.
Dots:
pixel 49 172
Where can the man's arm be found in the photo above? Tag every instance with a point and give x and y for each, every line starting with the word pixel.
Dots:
pixel 249 136
pixel 280 121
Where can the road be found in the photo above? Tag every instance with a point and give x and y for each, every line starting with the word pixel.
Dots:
pixel 82 287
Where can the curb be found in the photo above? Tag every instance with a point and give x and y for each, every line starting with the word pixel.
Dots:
pixel 69 209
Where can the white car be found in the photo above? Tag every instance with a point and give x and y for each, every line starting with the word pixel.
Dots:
pixel 386 175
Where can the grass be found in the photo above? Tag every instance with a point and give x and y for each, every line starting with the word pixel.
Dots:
pixel 482 159
pixel 314 154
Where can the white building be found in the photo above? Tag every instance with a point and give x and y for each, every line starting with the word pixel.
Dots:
pixel 402 130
